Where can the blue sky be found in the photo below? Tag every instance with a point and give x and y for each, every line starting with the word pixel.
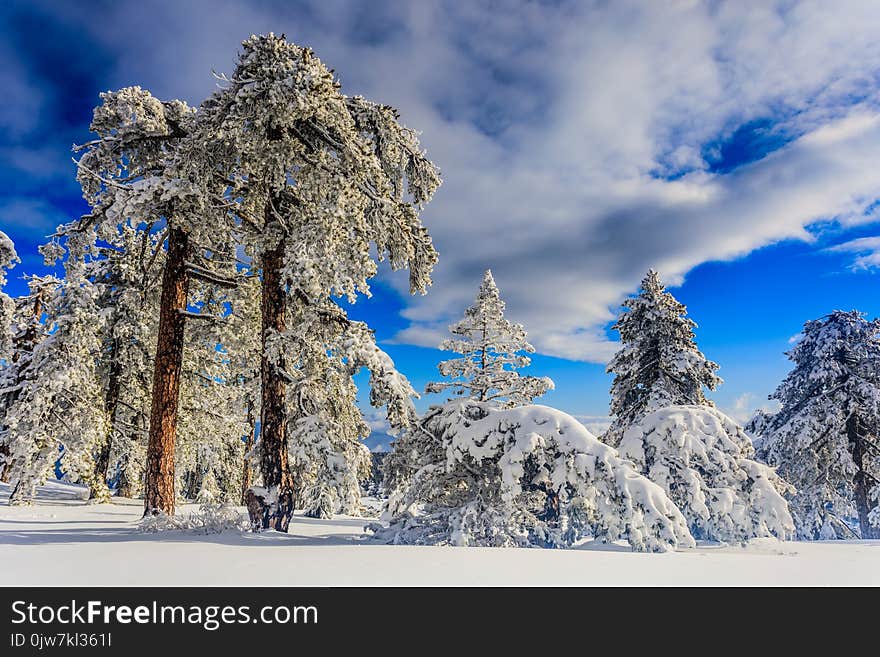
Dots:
pixel 731 146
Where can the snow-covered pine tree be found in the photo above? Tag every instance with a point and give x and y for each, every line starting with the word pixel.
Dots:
pixel 319 179
pixel 824 438
pixel 528 476
pixel 58 408
pixel 241 342
pixel 137 172
pixel 125 267
pixel 492 349
pixel 658 363
pixel 703 460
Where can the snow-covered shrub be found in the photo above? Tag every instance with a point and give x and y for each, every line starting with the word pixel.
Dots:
pixel 211 518
pixel 526 476
pixel 702 459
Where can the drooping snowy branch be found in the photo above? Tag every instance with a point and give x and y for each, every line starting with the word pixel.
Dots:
pixel 703 460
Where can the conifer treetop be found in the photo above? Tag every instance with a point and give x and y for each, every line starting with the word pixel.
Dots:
pixel 492 349
pixel 658 363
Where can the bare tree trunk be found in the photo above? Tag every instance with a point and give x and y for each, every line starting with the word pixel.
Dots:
pixel 862 481
pixel 247 475
pixel 111 404
pixel 159 482
pixel 273 510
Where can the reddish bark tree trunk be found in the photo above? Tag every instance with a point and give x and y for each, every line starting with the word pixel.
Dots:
pixel 274 510
pixel 159 482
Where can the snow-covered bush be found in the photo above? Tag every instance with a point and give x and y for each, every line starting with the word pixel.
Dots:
pixel 702 459
pixel 526 476
pixel 211 518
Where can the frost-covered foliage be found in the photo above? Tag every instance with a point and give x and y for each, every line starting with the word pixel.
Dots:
pixel 325 173
pixel 824 438
pixel 527 476
pixel 703 460
pixel 55 398
pixel 658 363
pixel 125 268
pixel 325 425
pixel 128 173
pixel 213 421
pixel 8 259
pixel 492 349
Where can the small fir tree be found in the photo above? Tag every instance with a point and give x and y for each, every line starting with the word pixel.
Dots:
pixel 492 349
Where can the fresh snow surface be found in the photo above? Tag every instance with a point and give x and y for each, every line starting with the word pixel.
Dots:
pixel 62 540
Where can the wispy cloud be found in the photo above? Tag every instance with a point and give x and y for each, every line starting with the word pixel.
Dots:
pixel 865 249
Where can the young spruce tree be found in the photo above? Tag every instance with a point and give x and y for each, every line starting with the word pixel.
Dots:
pixel 658 363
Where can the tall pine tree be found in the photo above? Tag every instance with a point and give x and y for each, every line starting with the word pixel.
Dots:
pixel 492 349
pixel 320 180
pixel 658 363
pixel 825 439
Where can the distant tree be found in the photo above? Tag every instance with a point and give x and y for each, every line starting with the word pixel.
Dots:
pixel 703 460
pixel 492 349
pixel 213 421
pixel 529 476
pixel 319 179
pixel 125 267
pixel 824 438
pixel 658 363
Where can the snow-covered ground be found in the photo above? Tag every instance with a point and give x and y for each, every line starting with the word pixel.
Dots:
pixel 62 540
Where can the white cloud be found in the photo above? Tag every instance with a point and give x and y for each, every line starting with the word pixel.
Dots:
pixel 595 424
pixel 573 138
pixel 31 213
pixel 866 250
pixel 746 405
